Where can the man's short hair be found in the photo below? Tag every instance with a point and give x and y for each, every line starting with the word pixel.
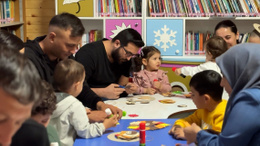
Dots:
pixel 129 35
pixel 18 76
pixel 68 21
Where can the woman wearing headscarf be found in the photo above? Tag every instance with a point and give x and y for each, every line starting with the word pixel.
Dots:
pixel 240 67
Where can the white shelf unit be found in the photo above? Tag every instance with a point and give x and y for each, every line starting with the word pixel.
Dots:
pixel 201 24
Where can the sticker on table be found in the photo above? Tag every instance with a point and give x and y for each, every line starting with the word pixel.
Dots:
pixel 167 101
pixel 149 125
pixel 124 136
pixel 133 115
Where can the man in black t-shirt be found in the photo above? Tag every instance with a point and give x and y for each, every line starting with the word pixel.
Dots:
pixel 107 63
pixel 64 35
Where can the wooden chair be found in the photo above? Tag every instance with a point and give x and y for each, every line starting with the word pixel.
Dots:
pixel 181 114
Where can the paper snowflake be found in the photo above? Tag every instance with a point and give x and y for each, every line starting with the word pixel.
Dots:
pixel 165 37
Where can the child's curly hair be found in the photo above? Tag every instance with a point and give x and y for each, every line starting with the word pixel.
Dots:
pixel 47 102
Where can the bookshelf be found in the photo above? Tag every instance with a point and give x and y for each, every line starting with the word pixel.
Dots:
pixel 166 23
pixel 12 16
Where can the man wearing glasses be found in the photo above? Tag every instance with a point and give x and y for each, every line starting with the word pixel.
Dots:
pixel 107 63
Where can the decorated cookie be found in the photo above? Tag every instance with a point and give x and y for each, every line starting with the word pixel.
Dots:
pixel 149 125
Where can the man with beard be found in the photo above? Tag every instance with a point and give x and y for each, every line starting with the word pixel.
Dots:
pixel 107 63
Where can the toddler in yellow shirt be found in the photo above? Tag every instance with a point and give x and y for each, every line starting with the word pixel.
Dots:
pixel 207 96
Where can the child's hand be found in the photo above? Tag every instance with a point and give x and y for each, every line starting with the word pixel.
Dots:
pixel 131 88
pixel 150 91
pixel 178 71
pixel 157 85
pixel 110 122
pixel 173 129
pixel 177 132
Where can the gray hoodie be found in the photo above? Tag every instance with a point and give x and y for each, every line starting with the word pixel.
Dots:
pixel 70 119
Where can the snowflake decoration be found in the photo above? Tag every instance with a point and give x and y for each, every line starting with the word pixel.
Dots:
pixel 118 29
pixel 164 38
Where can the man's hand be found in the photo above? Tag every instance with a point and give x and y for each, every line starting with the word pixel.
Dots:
pixel 130 88
pixel 97 116
pixel 116 111
pixel 190 133
pixel 113 91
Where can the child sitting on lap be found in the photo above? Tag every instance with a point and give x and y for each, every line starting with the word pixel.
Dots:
pixel 206 95
pixel 151 80
pixel 214 47
pixel 70 118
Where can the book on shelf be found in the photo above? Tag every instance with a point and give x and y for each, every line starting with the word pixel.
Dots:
pixel 7 11
pixel 94 35
pixel 119 8
pixel 203 8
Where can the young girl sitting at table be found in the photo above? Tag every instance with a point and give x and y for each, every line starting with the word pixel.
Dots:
pixel 151 79
pixel 206 94
pixel 70 117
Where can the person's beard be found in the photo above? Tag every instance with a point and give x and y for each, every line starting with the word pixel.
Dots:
pixel 116 56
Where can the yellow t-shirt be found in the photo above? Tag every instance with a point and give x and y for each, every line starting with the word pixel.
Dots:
pixel 205 119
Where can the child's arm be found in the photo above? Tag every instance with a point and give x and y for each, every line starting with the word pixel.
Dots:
pixel 182 123
pixel 190 71
pixel 138 82
pixel 141 81
pixel 193 118
pixel 163 85
pixel 78 119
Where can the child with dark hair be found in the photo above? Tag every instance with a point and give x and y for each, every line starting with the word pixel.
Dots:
pixel 42 112
pixel 33 131
pixel 206 95
pixel 214 47
pixel 70 118
pixel 11 41
pixel 151 79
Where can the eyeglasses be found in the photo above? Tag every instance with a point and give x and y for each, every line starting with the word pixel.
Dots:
pixel 128 53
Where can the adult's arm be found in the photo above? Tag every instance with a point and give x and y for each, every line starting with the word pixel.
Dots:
pixel 88 97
